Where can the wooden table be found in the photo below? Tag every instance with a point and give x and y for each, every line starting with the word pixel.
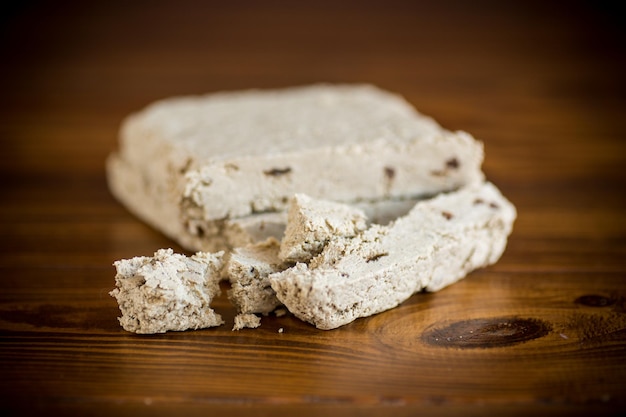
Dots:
pixel 541 332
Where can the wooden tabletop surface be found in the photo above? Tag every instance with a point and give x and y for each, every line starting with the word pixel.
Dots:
pixel 542 332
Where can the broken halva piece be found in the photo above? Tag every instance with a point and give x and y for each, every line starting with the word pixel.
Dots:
pixel 246 320
pixel 168 291
pixel 248 270
pixel 437 243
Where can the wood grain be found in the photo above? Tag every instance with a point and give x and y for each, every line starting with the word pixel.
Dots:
pixel 541 332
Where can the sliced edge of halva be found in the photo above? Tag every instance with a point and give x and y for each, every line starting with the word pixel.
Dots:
pixel 152 204
pixel 168 291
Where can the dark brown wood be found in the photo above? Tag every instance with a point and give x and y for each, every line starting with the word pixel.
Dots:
pixel 541 332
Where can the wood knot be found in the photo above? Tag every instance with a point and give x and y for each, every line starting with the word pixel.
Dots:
pixel 593 300
pixel 487 333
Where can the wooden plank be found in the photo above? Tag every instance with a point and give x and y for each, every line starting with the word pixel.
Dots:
pixel 541 332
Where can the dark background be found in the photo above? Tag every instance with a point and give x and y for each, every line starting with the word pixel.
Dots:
pixel 71 64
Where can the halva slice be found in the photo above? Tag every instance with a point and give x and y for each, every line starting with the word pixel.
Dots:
pixel 437 243
pixel 168 291
pixel 189 165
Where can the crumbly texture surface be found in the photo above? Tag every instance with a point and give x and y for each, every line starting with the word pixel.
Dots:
pixel 167 291
pixel 437 243
pixel 154 205
pixel 311 223
pixel 246 321
pixel 248 270
pixel 180 159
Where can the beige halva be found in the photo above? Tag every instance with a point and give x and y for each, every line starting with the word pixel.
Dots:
pixel 321 196
pixel 206 170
